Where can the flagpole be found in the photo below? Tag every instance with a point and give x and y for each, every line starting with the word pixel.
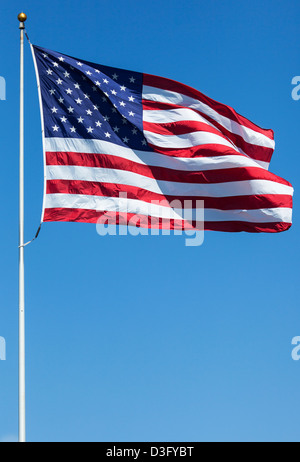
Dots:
pixel 22 435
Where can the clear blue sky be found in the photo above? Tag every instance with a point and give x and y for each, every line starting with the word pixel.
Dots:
pixel 142 338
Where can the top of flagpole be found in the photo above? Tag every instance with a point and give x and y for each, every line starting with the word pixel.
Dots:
pixel 22 18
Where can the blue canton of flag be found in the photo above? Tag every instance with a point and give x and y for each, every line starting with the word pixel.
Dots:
pixel 84 100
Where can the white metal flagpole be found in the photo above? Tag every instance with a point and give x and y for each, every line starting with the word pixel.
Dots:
pixel 22 436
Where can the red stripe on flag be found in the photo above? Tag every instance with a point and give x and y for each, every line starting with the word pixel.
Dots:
pixel 205 150
pixel 181 128
pixel 238 226
pixel 114 218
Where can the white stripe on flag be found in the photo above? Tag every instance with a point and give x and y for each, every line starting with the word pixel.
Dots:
pixel 188 140
pixel 165 116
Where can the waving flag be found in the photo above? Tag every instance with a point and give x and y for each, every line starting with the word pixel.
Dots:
pixel 125 144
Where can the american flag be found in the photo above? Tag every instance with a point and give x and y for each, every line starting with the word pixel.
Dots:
pixel 122 145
